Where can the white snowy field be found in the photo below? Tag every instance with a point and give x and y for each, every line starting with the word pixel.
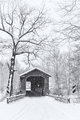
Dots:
pixel 39 108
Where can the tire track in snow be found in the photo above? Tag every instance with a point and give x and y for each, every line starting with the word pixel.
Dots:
pixel 21 111
pixel 35 112
pixel 58 111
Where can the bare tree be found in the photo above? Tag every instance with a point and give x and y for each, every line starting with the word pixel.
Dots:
pixel 25 26
pixel 69 30
pixel 70 24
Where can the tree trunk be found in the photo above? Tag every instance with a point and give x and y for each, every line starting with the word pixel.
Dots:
pixel 11 74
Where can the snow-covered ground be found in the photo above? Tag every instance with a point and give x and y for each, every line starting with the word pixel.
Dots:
pixel 39 108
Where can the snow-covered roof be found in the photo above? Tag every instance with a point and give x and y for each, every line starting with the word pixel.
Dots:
pixel 34 70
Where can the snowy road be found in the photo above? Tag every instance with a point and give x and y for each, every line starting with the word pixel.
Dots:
pixel 39 108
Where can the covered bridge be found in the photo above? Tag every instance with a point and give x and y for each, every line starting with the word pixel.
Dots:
pixel 35 83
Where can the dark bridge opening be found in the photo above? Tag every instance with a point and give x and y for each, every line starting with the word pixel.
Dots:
pixel 34 86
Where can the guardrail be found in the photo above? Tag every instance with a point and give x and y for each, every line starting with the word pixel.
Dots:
pixel 65 99
pixel 15 97
pixel 60 98
pixel 75 100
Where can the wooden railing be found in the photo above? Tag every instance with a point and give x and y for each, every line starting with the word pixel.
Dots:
pixel 59 98
pixel 65 99
pixel 15 97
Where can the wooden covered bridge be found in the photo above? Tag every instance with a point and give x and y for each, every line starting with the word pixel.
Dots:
pixel 35 83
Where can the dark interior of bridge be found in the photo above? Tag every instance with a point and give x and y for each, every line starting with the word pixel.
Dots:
pixel 37 86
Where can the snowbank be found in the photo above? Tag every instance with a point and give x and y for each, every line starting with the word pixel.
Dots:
pixel 39 108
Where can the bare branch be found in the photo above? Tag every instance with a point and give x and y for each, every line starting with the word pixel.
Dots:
pixel 37 23
pixel 23 16
pixel 6 32
pixel 28 42
pixel 68 7
pixel 24 52
pixel 3 19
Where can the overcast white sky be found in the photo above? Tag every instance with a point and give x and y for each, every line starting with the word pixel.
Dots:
pixel 50 5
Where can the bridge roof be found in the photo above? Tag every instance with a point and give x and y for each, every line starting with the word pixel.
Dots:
pixel 34 70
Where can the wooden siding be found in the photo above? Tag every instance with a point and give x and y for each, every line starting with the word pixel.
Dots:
pixel 35 73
